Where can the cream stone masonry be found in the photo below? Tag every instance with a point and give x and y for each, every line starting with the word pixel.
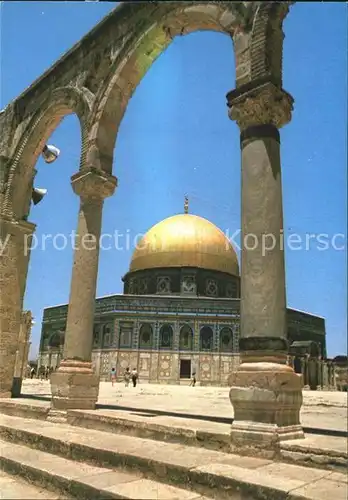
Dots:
pixel 95 80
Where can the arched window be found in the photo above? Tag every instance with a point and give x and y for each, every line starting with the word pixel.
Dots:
pixel 206 339
pixel 166 337
pixel 145 336
pixel 226 339
pixel 107 330
pixel 126 333
pixel 186 338
pixel 96 336
pixel 56 340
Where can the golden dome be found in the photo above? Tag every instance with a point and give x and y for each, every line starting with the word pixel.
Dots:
pixel 185 240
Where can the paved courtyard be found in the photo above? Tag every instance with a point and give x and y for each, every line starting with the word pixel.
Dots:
pixel 322 409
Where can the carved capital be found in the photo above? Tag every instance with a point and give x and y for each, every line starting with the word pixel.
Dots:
pixel 93 184
pixel 265 104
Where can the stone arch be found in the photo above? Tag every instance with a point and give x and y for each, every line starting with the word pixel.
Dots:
pixel 152 30
pixel 266 43
pixel 61 102
pixel 166 337
pixel 56 340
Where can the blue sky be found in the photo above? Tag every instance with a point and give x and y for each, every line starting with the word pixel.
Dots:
pixel 176 138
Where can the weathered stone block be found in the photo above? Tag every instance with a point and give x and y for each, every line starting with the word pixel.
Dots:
pixel 266 399
pixel 72 390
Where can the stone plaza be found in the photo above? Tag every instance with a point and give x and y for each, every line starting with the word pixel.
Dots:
pixel 320 409
pixel 178 439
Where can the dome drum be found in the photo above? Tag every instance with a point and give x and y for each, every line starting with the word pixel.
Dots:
pixel 186 281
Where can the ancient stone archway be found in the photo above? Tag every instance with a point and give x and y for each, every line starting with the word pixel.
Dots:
pixel 95 79
pixel 25 151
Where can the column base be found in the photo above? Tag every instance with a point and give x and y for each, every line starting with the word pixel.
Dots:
pixel 74 386
pixel 266 398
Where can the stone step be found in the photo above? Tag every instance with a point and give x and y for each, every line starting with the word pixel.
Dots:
pixel 67 478
pixel 14 487
pixel 322 451
pixel 314 451
pixel 58 416
pixel 210 435
pixel 198 470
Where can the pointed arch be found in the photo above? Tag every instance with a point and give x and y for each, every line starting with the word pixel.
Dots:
pixel 61 102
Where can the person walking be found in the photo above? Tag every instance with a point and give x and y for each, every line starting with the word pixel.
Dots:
pixel 113 376
pixel 126 377
pixel 134 377
pixel 193 379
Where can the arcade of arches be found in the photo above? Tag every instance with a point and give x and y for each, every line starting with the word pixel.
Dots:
pixel 95 80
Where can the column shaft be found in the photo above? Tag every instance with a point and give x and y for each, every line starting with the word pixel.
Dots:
pixel 10 304
pixel 22 352
pixel 266 393
pixel 24 238
pixel 263 303
pixel 79 329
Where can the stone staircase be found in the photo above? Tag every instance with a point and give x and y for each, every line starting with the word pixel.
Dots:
pixel 76 462
pixel 12 487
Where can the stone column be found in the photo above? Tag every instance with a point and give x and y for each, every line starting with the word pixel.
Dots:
pixel 10 302
pixel 325 376
pixel 266 393
pixel 304 371
pixel 24 238
pixel 74 384
pixel 26 360
pixel 320 374
pixel 22 352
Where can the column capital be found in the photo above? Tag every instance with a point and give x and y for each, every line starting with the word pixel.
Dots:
pixel 92 183
pixel 263 104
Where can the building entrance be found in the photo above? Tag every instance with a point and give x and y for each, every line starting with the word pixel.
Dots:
pixel 185 368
